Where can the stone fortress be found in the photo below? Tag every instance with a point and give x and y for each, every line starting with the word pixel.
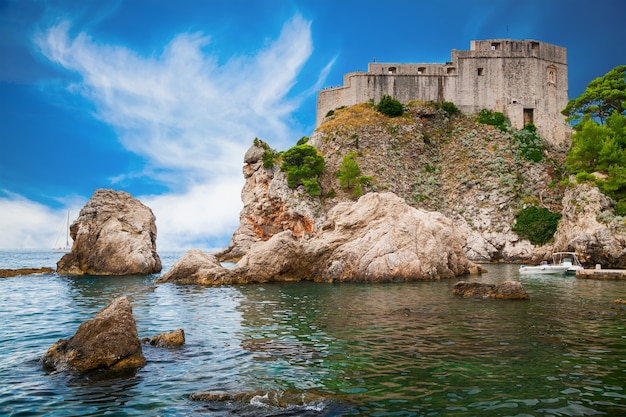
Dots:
pixel 526 80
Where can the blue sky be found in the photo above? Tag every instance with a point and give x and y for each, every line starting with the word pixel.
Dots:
pixel 162 98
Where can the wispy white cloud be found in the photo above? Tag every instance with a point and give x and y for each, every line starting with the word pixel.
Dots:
pixel 190 114
pixel 27 224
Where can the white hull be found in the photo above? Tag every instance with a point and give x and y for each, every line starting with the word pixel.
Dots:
pixel 562 263
pixel 544 269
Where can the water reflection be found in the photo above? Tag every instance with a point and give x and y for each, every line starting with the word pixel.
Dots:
pixel 416 347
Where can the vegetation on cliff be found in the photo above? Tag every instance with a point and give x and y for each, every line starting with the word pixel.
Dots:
pixel 303 165
pixel 599 140
pixel 431 158
pixel 536 224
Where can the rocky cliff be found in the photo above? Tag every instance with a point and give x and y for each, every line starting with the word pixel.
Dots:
pixel 378 238
pixel 473 174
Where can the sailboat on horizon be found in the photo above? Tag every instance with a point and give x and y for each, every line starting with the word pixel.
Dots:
pixel 67 247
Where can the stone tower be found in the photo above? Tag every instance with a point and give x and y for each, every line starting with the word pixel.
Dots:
pixel 524 79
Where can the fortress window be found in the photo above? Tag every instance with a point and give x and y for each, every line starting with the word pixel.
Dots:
pixel 552 75
pixel 480 71
pixel 421 70
pixel 392 70
pixel 451 70
pixel 495 46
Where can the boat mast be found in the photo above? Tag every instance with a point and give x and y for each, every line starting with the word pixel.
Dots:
pixel 67 231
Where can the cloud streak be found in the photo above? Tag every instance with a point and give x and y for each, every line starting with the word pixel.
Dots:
pixel 190 115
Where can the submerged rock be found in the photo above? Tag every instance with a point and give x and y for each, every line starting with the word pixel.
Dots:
pixel 108 341
pixel 115 234
pixel 509 290
pixel 305 402
pixel 6 273
pixel 167 340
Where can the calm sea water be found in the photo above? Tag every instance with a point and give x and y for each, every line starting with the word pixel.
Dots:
pixel 304 349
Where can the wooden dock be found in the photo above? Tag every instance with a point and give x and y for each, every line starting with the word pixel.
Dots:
pixel 608 274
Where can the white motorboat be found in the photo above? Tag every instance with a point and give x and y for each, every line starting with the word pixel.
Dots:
pixel 562 263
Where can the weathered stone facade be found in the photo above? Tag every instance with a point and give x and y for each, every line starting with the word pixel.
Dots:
pixel 524 79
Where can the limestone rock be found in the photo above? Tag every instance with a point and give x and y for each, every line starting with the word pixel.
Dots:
pixel 381 238
pixel 378 238
pixel 509 290
pixel 108 341
pixel 269 207
pixel 197 267
pixel 280 258
pixel 580 229
pixel 115 234
pixel 167 340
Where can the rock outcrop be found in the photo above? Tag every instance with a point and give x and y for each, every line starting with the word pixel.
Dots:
pixel 115 234
pixel 379 238
pixel 167 340
pixel 508 290
pixel 108 341
pixel 269 206
pixel 590 228
pixel 197 267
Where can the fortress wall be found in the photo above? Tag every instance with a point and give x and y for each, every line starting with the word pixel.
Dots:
pixel 525 80
pixel 410 69
pixel 362 87
pixel 403 88
pixel 494 48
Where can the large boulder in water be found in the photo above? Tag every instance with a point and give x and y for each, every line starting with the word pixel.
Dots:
pixel 508 290
pixel 108 341
pixel 115 234
pixel 197 267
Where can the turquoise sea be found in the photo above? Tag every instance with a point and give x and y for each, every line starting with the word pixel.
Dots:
pixel 305 349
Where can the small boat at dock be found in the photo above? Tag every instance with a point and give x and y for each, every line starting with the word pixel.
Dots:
pixel 562 263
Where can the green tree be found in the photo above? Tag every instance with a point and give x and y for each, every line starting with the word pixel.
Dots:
pixel 303 166
pixel 587 143
pixel 602 97
pixel 615 187
pixel 536 224
pixel 390 107
pixel 350 177
pixel 599 142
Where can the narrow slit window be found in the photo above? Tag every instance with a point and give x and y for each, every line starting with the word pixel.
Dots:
pixel 481 71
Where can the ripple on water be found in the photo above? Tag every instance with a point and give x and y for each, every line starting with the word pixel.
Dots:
pixel 400 349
